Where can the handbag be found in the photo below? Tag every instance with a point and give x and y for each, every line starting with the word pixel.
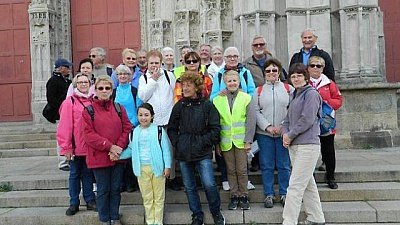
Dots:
pixel 49 114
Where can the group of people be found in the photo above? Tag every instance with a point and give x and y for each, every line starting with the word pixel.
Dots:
pixel 133 125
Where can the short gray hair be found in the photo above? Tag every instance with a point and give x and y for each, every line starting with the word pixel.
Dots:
pixel 167 49
pixel 186 46
pixel 257 37
pixel 215 48
pixel 99 51
pixel 123 69
pixel 311 30
pixel 232 48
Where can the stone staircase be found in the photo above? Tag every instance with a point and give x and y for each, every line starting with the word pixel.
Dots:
pixel 369 188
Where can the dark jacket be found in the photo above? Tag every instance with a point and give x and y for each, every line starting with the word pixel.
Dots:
pixel 258 72
pixel 56 92
pixel 193 129
pixel 329 70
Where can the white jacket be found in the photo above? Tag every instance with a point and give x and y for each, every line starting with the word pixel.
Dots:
pixel 160 94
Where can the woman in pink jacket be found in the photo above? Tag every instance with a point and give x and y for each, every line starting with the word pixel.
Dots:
pixel 70 139
pixel 331 95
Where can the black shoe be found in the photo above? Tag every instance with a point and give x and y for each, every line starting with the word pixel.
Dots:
pixel 244 202
pixel 174 185
pixel 254 168
pixel 322 167
pixel 219 219
pixel 332 184
pixel 233 204
pixel 72 210
pixel 64 168
pixel 197 221
pixel 91 205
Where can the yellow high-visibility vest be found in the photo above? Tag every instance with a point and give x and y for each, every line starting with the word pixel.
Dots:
pixel 233 127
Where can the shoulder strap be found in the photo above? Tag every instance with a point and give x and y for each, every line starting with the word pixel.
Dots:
pixel 287 87
pixel 109 71
pixel 117 107
pixel 219 78
pixel 114 94
pixel 259 90
pixel 159 135
pixel 72 100
pixel 167 76
pixel 131 135
pixel 145 78
pixel 134 94
pixel 245 76
pixel 90 110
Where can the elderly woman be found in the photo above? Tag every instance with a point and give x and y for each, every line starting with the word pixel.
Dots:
pixel 331 95
pixel 272 100
pixel 106 128
pixel 129 57
pixel 85 67
pixel 300 130
pixel 231 55
pixel 126 95
pixel 168 59
pixel 217 61
pixel 70 140
pixel 194 124
pixel 98 56
pixel 192 63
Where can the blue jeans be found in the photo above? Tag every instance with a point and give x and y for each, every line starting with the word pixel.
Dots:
pixel 108 191
pixel 221 166
pixel 272 153
pixel 205 168
pixel 79 172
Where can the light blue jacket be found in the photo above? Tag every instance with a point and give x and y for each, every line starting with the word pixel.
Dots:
pixel 247 86
pixel 160 157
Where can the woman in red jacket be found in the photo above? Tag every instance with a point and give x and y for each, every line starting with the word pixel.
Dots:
pixel 106 129
pixel 331 95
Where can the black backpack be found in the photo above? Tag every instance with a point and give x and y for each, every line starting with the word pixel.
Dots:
pixel 165 73
pixel 134 94
pixel 117 107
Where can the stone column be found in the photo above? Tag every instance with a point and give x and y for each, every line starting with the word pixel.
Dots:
pixel 50 39
pixel 359 22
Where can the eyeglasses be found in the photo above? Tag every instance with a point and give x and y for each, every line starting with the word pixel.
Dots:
pixel 273 71
pixel 102 88
pixel 259 45
pixel 232 56
pixel 190 61
pixel 129 58
pixel 82 82
pixel 315 65
pixel 92 56
pixel 121 74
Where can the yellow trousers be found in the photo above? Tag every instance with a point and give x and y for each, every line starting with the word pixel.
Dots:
pixel 153 194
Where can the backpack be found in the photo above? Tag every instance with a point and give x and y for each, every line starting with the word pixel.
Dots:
pixel 159 135
pixel 165 73
pixel 240 66
pixel 259 90
pixel 117 107
pixel 133 91
pixel 327 120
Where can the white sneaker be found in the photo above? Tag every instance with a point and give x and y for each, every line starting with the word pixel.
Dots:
pixel 250 186
pixel 94 187
pixel 225 186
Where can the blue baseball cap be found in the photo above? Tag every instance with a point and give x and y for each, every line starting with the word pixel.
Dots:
pixel 62 62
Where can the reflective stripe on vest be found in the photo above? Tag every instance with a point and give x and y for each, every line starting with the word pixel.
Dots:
pixel 233 123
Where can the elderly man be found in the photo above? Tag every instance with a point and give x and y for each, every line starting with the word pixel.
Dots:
pixel 98 56
pixel 205 55
pixel 255 63
pixel 309 39
pixel 129 58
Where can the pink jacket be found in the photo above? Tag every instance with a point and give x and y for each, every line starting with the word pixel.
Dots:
pixel 70 123
pixel 105 130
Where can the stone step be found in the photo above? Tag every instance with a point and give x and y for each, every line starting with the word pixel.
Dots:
pixel 361 212
pixel 378 191
pixel 28 144
pixel 28 137
pixel 27 152
pixel 7 128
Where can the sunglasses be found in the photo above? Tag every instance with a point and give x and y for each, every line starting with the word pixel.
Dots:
pixel 102 88
pixel 92 56
pixel 259 45
pixel 315 65
pixel 129 58
pixel 273 71
pixel 189 61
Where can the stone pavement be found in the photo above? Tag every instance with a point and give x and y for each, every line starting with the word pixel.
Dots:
pixel 369 193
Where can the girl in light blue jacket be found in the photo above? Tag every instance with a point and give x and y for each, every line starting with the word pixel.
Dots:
pixel 151 161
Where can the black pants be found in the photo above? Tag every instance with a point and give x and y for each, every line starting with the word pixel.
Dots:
pixel 328 155
pixel 129 179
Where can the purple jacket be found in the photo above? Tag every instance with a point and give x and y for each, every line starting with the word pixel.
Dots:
pixel 301 122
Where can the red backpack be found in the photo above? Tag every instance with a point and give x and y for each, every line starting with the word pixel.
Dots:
pixel 259 90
